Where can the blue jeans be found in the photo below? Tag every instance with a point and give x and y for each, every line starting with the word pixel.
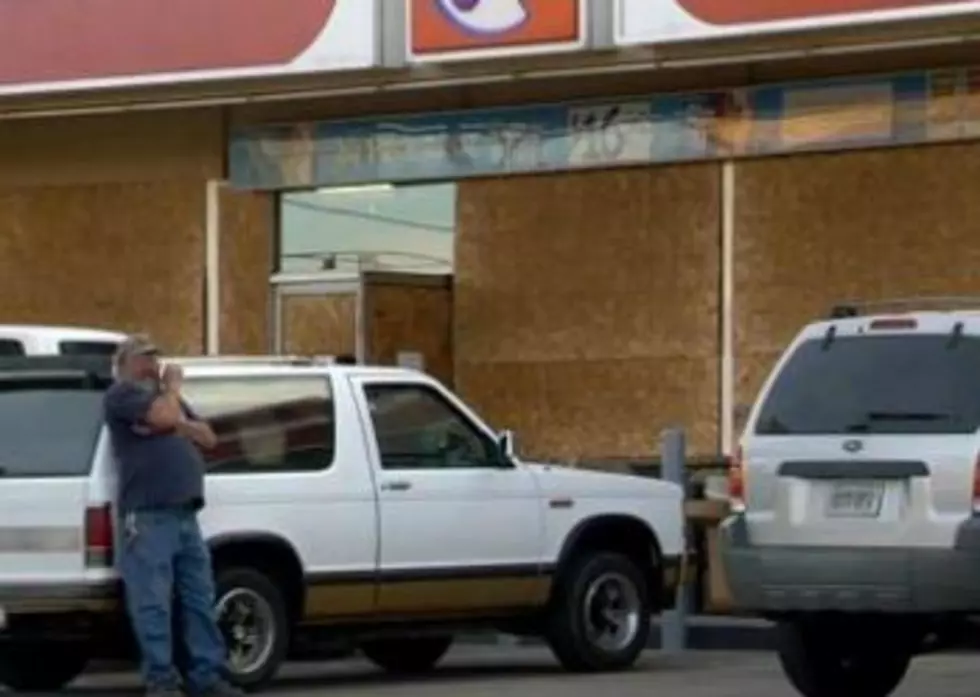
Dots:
pixel 162 552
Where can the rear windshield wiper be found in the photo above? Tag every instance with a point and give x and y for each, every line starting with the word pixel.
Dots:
pixel 879 416
pixel 907 416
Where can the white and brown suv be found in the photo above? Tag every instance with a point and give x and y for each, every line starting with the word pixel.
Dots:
pixel 361 505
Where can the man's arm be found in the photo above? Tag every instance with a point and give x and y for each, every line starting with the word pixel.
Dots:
pixel 164 413
pixel 199 432
pixel 194 427
pixel 141 408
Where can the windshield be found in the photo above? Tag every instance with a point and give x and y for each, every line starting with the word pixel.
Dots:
pixel 47 430
pixel 910 384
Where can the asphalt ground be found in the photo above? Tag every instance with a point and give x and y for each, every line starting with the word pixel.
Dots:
pixel 513 671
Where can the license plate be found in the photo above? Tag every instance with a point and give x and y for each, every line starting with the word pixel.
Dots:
pixel 855 500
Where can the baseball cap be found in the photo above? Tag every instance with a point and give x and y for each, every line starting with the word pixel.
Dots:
pixel 135 345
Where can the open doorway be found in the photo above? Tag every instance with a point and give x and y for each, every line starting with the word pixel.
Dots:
pixel 351 264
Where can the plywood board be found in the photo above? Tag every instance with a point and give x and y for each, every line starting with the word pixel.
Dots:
pixel 587 307
pixel 814 230
pixel 247 225
pixel 120 256
pixel 319 325
pixel 117 148
pixel 403 314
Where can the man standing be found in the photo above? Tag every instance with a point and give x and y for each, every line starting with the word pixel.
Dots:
pixel 156 437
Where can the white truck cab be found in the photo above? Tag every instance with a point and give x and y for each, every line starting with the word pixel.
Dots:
pixel 362 504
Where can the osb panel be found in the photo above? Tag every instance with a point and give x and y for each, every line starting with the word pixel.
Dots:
pixel 587 307
pixel 121 256
pixel 814 230
pixel 413 318
pixel 322 325
pixel 247 227
pixel 112 148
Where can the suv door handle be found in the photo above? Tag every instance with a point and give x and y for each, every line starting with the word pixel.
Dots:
pixel 400 485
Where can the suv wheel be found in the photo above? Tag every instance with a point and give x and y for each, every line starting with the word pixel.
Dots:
pixel 844 659
pixel 42 667
pixel 599 617
pixel 252 615
pixel 408 655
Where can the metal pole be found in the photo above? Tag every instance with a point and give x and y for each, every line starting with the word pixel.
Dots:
pixel 673 623
pixel 212 269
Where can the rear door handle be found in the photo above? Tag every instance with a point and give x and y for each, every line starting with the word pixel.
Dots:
pixel 400 485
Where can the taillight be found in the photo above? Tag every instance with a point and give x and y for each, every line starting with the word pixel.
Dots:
pixel 736 481
pixel 98 536
pixel 976 485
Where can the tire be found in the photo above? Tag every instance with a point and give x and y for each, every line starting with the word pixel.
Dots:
pixel 844 658
pixel 237 589
pixel 575 626
pixel 40 667
pixel 408 656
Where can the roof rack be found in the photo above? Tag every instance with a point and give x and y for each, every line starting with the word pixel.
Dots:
pixel 921 303
pixel 254 360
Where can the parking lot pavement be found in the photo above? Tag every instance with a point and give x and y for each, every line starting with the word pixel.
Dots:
pixel 532 672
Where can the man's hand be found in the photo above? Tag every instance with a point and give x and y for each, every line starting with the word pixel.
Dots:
pixel 172 378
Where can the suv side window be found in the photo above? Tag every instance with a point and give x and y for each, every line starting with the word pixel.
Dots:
pixel 417 428
pixel 266 424
pixel 11 347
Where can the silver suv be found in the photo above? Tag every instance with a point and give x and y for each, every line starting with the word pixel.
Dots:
pixel 856 496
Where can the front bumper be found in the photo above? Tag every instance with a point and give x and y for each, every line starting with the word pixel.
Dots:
pixel 781 579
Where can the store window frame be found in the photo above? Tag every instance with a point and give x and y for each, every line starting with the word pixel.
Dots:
pixel 286 284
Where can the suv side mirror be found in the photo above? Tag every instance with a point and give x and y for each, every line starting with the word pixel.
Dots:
pixel 505 445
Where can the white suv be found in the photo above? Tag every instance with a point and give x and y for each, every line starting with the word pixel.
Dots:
pixel 856 494
pixel 44 340
pixel 348 506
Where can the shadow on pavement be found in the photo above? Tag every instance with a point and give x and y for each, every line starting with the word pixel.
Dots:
pixel 301 678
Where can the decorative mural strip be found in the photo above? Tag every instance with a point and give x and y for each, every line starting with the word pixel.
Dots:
pixel 884 111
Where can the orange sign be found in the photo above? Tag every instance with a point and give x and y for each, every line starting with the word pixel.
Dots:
pixel 750 11
pixel 454 29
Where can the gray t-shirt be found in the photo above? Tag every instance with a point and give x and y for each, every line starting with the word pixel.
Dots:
pixel 156 470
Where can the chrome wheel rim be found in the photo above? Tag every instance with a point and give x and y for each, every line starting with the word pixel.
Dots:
pixel 611 609
pixel 248 625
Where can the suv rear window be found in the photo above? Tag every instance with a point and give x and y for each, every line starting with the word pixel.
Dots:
pixel 11 347
pixel 48 428
pixel 87 348
pixel 915 384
